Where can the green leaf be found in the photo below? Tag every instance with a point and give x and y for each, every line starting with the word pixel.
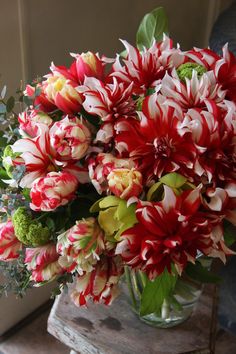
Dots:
pixel 229 233
pixel 50 224
pixel 3 174
pixel 198 272
pixel 174 180
pixel 153 25
pixel 3 142
pixel 26 193
pixel 10 104
pixel 156 291
pixel 155 192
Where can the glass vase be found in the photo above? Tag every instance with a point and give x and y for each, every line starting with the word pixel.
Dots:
pixel 174 310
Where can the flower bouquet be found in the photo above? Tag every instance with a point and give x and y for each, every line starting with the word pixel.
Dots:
pixel 125 166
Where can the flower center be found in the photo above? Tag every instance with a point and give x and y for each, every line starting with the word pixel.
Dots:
pixel 161 148
pixel 185 71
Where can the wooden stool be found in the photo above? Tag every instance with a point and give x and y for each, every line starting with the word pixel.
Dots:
pixel 115 329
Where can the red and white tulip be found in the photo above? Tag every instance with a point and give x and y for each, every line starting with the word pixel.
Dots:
pixel 42 262
pixel 125 183
pixel 80 247
pixel 100 285
pixel 101 166
pixel 62 93
pixel 53 190
pixel 70 138
pixel 10 246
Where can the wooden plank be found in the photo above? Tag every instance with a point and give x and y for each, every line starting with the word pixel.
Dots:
pixel 116 329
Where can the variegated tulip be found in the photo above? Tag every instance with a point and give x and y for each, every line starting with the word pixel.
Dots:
pixel 39 100
pixel 61 92
pixel 101 285
pixel 102 165
pixel 52 191
pixel 81 246
pixel 125 183
pixel 88 64
pixel 10 246
pixel 70 138
pixel 42 262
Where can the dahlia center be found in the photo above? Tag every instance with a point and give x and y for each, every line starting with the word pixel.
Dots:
pixel 162 148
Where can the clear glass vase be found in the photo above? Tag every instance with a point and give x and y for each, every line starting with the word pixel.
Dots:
pixel 174 310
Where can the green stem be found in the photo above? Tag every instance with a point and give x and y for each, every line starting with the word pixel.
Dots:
pixel 42 216
pixel 130 287
pixel 136 286
pixel 143 278
pixel 165 309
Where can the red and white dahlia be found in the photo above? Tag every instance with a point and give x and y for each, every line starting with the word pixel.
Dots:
pixel 155 143
pixel 170 232
pixel 31 120
pixel 146 68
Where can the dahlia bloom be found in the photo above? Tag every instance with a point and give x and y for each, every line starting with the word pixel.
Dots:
pixel 110 101
pixel 144 69
pixel 42 262
pixel 213 132
pixel 70 138
pixel 62 93
pixel 193 92
pixel 53 190
pixel 100 285
pixel 37 156
pixel 223 67
pixel 155 143
pixel 30 120
pixel 100 167
pixel 170 232
pixel 125 183
pixel 81 246
pixel 10 246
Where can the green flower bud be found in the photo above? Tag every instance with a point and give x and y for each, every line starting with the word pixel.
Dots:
pixel 186 70
pixel 29 231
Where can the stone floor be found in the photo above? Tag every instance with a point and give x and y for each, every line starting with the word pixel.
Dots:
pixel 34 339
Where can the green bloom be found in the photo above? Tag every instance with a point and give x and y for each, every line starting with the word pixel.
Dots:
pixel 186 70
pixel 114 216
pixel 7 157
pixel 28 230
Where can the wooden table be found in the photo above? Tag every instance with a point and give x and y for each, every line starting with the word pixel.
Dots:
pixel 116 329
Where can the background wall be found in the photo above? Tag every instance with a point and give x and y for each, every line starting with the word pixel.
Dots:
pixel 33 33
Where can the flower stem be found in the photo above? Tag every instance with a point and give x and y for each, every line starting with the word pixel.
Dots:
pixel 165 309
pixel 130 287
